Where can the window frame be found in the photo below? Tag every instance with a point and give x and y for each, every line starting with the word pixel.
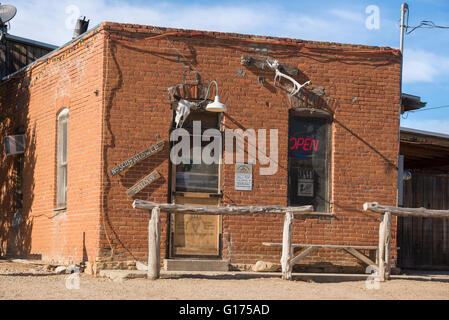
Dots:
pixel 320 114
pixel 174 171
pixel 61 155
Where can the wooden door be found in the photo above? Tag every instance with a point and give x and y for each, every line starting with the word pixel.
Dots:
pixel 196 235
pixel 196 185
pixel 424 242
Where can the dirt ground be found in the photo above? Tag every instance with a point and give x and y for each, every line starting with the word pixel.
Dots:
pixel 20 281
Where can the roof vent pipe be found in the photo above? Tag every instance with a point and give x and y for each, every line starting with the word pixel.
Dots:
pixel 81 27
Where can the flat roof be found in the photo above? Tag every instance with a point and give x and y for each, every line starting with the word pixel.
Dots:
pixel 425 133
pixel 32 42
pixel 55 48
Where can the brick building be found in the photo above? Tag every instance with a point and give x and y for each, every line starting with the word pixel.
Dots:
pixel 112 93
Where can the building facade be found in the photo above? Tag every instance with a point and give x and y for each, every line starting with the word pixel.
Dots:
pixel 113 93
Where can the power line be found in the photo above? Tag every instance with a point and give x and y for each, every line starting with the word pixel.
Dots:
pixel 420 110
pixel 425 24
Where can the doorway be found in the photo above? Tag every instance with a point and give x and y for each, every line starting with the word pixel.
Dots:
pixel 196 236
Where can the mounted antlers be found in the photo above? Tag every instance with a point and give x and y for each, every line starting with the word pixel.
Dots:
pixel 296 86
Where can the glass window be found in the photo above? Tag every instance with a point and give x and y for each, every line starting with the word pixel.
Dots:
pixel 198 177
pixel 309 144
pixel 62 142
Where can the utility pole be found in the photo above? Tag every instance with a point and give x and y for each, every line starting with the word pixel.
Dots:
pixel 404 9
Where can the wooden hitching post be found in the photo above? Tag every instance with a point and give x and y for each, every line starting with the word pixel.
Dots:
pixel 154 245
pixel 287 249
pixel 387 226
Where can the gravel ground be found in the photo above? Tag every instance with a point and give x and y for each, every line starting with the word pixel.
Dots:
pixel 20 281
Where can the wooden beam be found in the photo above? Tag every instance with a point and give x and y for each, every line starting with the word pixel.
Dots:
pixel 181 209
pixel 405 212
pixel 360 256
pixel 263 65
pixel 154 245
pixel 426 163
pixel 324 246
pixel 422 138
pixel 302 255
pixel 287 249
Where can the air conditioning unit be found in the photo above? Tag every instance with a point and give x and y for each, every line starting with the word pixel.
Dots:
pixel 15 145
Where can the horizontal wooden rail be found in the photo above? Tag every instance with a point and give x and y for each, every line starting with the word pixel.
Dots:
pixel 324 246
pixel 383 253
pixel 181 209
pixel 405 212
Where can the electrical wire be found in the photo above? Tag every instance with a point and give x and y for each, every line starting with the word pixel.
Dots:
pixel 425 24
pixel 300 46
pixel 421 110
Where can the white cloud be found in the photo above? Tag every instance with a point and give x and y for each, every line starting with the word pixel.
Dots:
pixel 348 15
pixel 441 126
pixel 47 22
pixel 424 66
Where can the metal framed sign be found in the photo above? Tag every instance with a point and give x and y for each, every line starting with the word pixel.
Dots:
pixel 243 177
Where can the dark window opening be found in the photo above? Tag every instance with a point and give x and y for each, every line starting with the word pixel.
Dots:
pixel 309 165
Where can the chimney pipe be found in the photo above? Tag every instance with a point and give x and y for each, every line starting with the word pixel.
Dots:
pixel 81 27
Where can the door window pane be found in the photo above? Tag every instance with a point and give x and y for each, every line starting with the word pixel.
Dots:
pixel 308 162
pixel 198 177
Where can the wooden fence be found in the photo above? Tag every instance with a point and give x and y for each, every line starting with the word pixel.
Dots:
pixel 287 260
pixel 384 261
pixel 154 228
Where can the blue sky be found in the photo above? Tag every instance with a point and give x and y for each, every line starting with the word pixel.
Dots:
pixel 426 55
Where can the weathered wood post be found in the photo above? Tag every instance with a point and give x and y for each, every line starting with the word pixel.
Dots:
pixel 384 252
pixel 287 249
pixel 387 227
pixel 381 251
pixel 154 245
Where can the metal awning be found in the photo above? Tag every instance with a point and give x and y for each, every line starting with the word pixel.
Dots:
pixel 411 102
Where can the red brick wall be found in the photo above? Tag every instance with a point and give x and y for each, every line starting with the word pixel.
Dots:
pixel 36 95
pixel 131 111
pixel 364 135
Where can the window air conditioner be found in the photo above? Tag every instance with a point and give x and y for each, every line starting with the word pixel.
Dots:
pixel 15 145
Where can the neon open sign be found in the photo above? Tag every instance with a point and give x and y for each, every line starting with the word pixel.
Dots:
pixel 304 144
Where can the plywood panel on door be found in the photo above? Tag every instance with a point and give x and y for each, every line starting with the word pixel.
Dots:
pixel 196 235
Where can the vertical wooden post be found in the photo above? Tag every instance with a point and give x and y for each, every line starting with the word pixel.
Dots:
pixel 287 249
pixel 154 245
pixel 381 251
pixel 387 227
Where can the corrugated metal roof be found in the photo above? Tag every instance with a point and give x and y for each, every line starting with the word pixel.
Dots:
pixel 31 42
pixel 50 53
pixel 427 133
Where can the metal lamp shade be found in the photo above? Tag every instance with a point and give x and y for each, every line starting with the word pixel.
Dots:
pixel 216 106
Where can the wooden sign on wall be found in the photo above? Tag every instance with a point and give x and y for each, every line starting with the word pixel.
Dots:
pixel 140 157
pixel 143 183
